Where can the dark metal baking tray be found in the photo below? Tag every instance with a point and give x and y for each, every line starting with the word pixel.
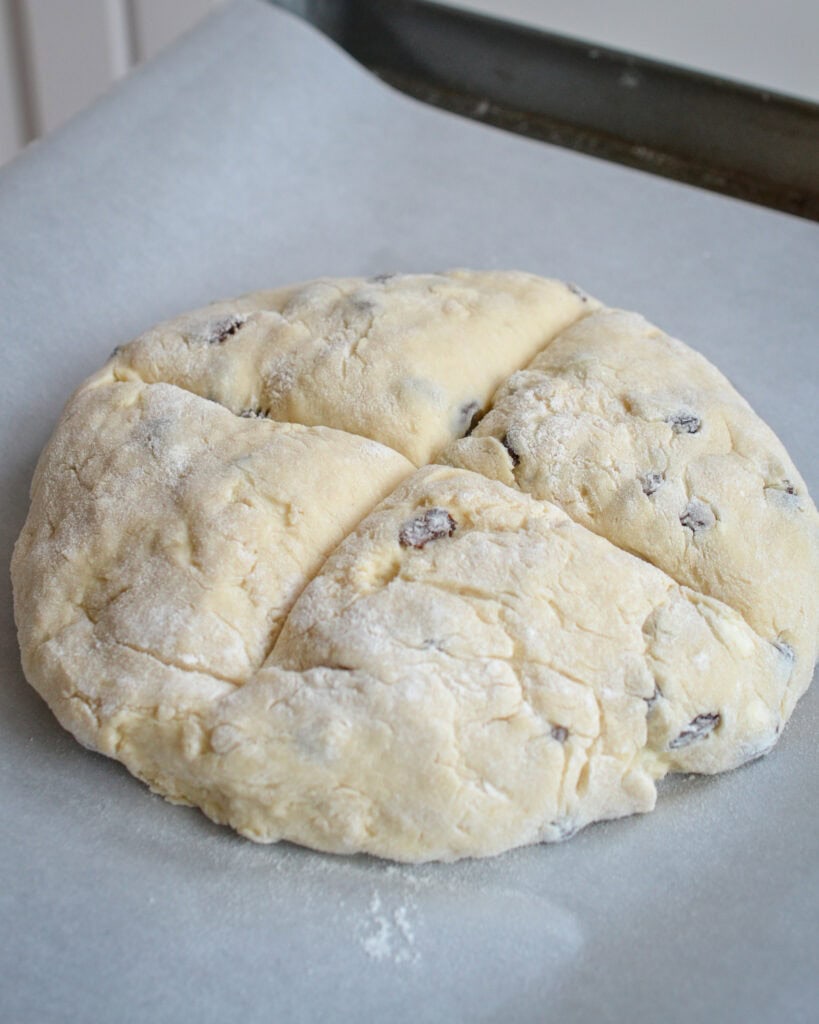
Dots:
pixel 736 139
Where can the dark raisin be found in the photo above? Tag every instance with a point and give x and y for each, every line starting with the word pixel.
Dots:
pixel 573 288
pixel 697 516
pixel 469 416
pixel 566 828
pixel 381 278
pixel 560 733
pixel 652 700
pixel 651 482
pixel 783 492
pixel 250 414
pixel 115 352
pixel 784 649
pixel 785 488
pixel 220 330
pixel 430 525
pixel 697 729
pixel 684 422
pixel 513 455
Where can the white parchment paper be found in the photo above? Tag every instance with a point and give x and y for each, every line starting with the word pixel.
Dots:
pixel 256 153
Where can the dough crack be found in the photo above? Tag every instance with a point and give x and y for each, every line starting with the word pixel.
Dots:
pixel 178 666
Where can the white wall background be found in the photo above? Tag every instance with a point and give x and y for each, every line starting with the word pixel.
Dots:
pixel 56 56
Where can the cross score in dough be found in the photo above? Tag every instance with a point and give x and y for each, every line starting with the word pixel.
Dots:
pixel 426 566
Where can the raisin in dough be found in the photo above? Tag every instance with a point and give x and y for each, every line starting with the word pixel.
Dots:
pixel 233 579
pixel 407 360
pixel 515 653
pixel 642 440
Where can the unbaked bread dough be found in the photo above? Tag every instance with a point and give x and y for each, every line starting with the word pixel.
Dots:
pixel 410 360
pixel 234 579
pixel 642 440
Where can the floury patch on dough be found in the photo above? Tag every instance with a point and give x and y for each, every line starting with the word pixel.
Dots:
pixel 241 577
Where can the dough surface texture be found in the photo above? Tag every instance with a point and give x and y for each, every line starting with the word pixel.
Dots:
pixel 423 566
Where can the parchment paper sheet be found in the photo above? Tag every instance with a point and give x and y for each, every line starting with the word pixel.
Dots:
pixel 256 153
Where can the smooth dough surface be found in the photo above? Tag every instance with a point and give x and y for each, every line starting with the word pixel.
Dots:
pixel 408 360
pixel 234 579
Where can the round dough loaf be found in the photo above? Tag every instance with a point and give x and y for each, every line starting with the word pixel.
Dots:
pixel 234 579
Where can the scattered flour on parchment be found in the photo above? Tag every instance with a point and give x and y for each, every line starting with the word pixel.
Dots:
pixel 388 934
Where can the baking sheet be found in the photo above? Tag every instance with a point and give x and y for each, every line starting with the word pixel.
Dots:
pixel 255 153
